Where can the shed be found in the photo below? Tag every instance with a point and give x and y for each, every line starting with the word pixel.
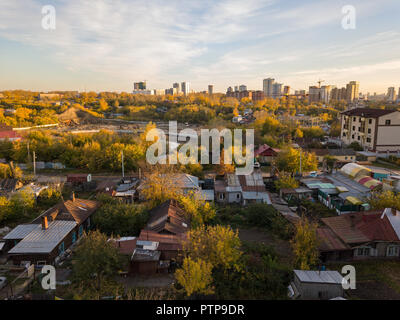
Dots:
pixel 316 285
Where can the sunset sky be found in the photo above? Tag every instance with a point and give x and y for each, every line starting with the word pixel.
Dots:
pixel 107 45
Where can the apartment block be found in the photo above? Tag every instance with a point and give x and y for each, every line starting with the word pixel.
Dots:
pixel 374 129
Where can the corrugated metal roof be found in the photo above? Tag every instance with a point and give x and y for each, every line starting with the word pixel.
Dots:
pixel 253 195
pixel 20 231
pixel 332 277
pixel 44 241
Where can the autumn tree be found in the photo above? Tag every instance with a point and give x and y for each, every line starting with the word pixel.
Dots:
pixel 286 181
pixel 386 199
pixel 195 276
pixel 305 245
pixel 198 211
pixel 219 245
pixel 288 160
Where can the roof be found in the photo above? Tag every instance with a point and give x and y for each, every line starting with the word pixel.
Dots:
pixel 20 231
pixel 8 185
pixel 394 219
pixel 328 241
pixel 9 134
pixel 359 227
pixel 145 255
pixel 341 152
pixel 168 217
pixel 44 241
pixel 77 210
pixel 266 150
pixel 166 242
pixel 367 112
pixel 354 169
pixel 329 277
pixel 254 195
pixel 207 195
pixel 319 152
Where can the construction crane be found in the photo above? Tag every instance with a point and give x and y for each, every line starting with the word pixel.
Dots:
pixel 319 83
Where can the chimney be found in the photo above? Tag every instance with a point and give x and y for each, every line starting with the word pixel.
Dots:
pixel 394 211
pixel 45 223
pixel 73 196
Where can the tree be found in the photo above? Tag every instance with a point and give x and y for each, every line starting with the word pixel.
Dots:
pixel 219 245
pixel 286 181
pixel 120 219
pixel 198 210
pixel 330 162
pixel 96 261
pixel 386 199
pixel 356 146
pixel 288 160
pixel 305 244
pixel 195 276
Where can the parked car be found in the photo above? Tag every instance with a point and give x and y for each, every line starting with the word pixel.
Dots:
pixel 3 282
pixel 313 174
pixel 257 165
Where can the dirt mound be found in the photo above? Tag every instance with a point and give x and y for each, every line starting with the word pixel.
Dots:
pixel 75 115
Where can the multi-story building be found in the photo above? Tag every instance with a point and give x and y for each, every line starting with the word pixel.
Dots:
pixel 314 94
pixel 177 87
pixel 286 90
pixel 242 88
pixel 352 91
pixel 139 85
pixel 210 89
pixel 253 95
pixel 185 87
pixel 277 90
pixel 374 129
pixel 268 86
pixel 391 95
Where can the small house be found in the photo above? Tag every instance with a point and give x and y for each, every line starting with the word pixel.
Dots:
pixel 316 285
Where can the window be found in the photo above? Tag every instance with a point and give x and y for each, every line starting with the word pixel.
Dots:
pixel 352 136
pixel 344 134
pixel 362 251
pixel 359 119
pixel 368 139
pixel 392 251
pixel 74 237
pixel 387 122
pixel 221 196
pixel 354 118
pixel 369 130
pixel 358 138
pixel 80 230
pixel 345 158
pixel 354 128
pixel 359 129
pixel 370 121
pixel 237 195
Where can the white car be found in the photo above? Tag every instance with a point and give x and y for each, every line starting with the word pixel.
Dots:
pixel 3 282
pixel 257 165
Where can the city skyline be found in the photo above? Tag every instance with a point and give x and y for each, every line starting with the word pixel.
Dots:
pixel 107 47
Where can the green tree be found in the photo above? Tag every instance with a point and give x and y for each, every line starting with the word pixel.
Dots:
pixel 286 181
pixel 96 261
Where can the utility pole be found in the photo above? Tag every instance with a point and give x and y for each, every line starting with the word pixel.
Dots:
pixel 34 164
pixel 122 161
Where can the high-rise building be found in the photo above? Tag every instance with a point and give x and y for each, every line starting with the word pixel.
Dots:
pixel 277 90
pixel 242 88
pixel 210 89
pixel 185 87
pixel 268 86
pixel 177 87
pixel 314 94
pixel 139 85
pixel 352 91
pixel 325 93
pixel 229 90
pixel 391 95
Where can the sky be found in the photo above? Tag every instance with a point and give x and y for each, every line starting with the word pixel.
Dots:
pixel 106 45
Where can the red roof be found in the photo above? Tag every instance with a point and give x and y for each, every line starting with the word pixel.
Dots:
pixel 166 241
pixel 359 227
pixel 10 134
pixel 266 151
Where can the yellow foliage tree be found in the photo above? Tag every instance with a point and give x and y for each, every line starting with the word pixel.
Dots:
pixel 195 276
pixel 198 210
pixel 387 199
pixel 305 245
pixel 219 245
pixel 286 181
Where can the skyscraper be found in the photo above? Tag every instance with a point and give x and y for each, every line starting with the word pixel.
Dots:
pixel 268 86
pixel 185 86
pixel 139 85
pixel 210 89
pixel 391 95
pixel 277 90
pixel 177 87
pixel 242 88
pixel 352 91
